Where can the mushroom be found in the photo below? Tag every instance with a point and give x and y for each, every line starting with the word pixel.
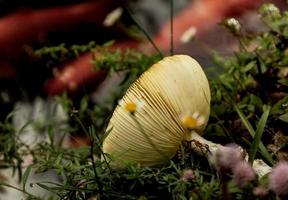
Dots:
pixel 167 105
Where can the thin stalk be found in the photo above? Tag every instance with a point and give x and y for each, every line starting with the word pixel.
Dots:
pixel 88 134
pixel 143 31
pixel 171 27
pixel 18 189
pixel 92 140
pixel 93 161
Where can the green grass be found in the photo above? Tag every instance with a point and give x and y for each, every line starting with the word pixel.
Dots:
pixel 240 113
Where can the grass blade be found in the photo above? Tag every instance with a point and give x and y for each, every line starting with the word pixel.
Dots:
pixel 26 175
pixel 263 151
pixel 19 190
pixel 258 133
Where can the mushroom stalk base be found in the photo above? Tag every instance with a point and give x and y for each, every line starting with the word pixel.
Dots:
pixel 209 149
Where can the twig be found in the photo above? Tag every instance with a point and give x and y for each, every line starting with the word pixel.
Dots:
pixel 212 149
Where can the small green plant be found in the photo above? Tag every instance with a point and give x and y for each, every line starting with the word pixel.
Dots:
pixel 249 106
pixel 253 79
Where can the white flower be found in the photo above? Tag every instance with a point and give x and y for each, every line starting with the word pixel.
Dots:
pixel 270 9
pixel 192 121
pixel 234 23
pixel 131 107
pixel 113 17
pixel 188 35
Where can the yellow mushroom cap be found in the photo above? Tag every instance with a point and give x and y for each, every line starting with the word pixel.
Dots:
pixel 175 86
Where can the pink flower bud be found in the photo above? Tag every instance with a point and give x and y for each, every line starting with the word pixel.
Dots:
pixel 243 173
pixel 229 156
pixel 279 179
pixel 260 191
pixel 188 174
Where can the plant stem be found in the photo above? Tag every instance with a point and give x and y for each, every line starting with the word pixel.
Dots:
pixel 209 149
pixel 171 27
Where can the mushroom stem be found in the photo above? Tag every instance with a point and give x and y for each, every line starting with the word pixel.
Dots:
pixel 209 149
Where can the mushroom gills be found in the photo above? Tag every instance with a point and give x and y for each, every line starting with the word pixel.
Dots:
pixel 169 89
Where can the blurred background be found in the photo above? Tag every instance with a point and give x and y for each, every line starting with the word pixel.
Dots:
pixel 30 25
pixel 31 31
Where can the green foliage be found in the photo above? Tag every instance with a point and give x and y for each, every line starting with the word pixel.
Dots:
pixel 57 54
pixel 9 145
pixel 249 105
pixel 255 76
pixel 256 135
pixel 118 60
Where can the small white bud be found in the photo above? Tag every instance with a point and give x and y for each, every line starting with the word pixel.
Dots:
pixel 188 35
pixel 113 17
